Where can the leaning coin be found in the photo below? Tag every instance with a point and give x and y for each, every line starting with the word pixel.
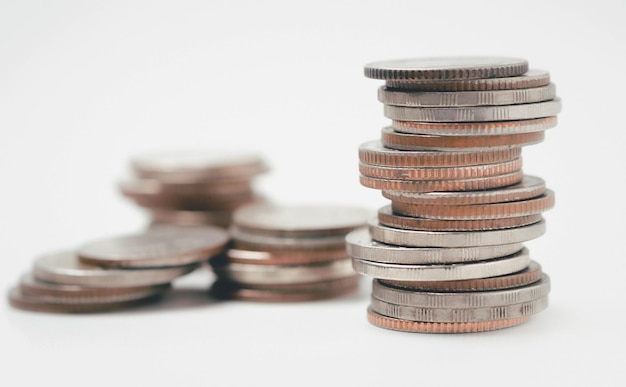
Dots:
pixel 443 272
pixel 470 67
pixel 399 296
pixel 283 256
pixel 412 313
pixel 490 128
pixel 261 241
pixel 433 327
pixel 156 247
pixel 411 238
pixel 360 245
pixel 465 98
pixel 532 78
pixel 65 268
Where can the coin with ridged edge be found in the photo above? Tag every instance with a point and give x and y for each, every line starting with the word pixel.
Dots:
pixel 489 128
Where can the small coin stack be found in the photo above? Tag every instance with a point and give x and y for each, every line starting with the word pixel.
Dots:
pixel 447 254
pixel 117 272
pixel 283 253
pixel 193 187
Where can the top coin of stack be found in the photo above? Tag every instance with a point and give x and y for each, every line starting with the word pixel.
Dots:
pixel 461 206
pixel 193 187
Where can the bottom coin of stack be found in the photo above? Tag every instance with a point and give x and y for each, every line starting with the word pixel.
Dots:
pixel 288 253
pixel 115 273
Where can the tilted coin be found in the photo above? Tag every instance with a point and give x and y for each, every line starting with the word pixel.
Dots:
pixel 360 245
pixel 400 296
pixel 403 141
pixel 412 313
pixel 531 206
pixel 524 277
pixel 284 257
pixel 531 186
pixel 530 79
pixel 65 268
pixel 489 128
pixel 465 98
pixel 156 247
pixel 470 184
pixel 260 241
pixel 434 327
pixel 440 173
pixel 470 67
pixel 414 238
pixel 474 113
pixel 387 217
pixel 300 220
pixel 443 272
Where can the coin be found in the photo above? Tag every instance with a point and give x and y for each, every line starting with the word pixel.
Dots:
pixel 465 98
pixel 156 247
pixel 65 268
pixel 163 216
pixel 284 256
pixel 360 245
pixel 531 206
pixel 531 79
pixel 531 186
pixel 470 67
pixel 490 128
pixel 412 238
pixel 443 272
pixel 473 299
pixel 403 141
pixel 261 241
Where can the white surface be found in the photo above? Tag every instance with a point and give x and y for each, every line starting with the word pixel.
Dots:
pixel 86 85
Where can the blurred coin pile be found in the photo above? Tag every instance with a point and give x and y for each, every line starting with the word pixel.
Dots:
pixel 193 187
pixel 116 272
pixel 283 253
pixel 447 254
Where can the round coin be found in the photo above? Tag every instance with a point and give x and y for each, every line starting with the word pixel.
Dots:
pixel 470 67
pixel 261 241
pixel 465 98
pixel 162 216
pixel 285 257
pixel 491 128
pixel 360 245
pixel 65 268
pixel 156 247
pixel 531 79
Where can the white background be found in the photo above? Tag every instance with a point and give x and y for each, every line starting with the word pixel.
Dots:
pixel 85 85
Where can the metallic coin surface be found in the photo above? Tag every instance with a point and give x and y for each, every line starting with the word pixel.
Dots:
pixel 400 296
pixel 65 268
pixel 430 327
pixel 387 217
pixel 300 220
pixel 531 186
pixel 470 67
pixel 531 79
pixel 156 247
pixel 465 98
pixel 360 245
pixel 412 238
pixel 375 153
pixel 440 173
pixel 403 141
pixel 525 277
pixel 161 216
pixel 260 241
pixel 490 128
pixel 532 206
pixel 285 257
pixel 443 272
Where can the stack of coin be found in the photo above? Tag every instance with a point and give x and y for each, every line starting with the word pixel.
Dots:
pixel 116 272
pixel 193 187
pixel 448 254
pixel 282 253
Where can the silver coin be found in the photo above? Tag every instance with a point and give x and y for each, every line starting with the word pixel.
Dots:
pixel 399 296
pixel 360 245
pixel 268 241
pixel 474 113
pixel 444 272
pixel 65 268
pixel 285 274
pixel 440 315
pixel 465 98
pixel 489 128
pixel 414 238
pixel 156 247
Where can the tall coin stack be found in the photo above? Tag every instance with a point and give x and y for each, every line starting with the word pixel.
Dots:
pixel 282 253
pixel 193 187
pixel 447 254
